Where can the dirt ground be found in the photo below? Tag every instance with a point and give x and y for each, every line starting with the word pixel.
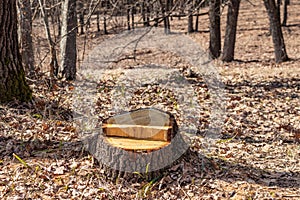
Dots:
pixel 257 156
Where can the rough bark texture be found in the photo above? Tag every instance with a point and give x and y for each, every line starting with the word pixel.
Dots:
pixel 118 162
pixel 215 30
pixel 230 35
pixel 26 38
pixel 277 36
pixel 68 42
pixel 12 75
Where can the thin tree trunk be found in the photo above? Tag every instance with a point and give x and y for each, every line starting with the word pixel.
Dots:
pixel 197 22
pixel 230 35
pixel 68 41
pixel 98 20
pixel 128 15
pixel 26 38
pixel 12 76
pixel 285 12
pixel 190 19
pixel 143 12
pixel 277 36
pixel 168 25
pixel 53 63
pixel 278 9
pixel 81 22
pixel 215 30
pixel 105 26
pixel 104 18
pixel 80 11
pixel 164 10
pixel 132 17
pixel 147 14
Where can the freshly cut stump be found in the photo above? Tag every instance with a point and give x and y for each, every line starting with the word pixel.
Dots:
pixel 143 140
pixel 140 130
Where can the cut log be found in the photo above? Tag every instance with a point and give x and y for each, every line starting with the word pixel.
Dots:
pixel 144 140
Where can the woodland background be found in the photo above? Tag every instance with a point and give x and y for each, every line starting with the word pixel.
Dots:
pixel 258 155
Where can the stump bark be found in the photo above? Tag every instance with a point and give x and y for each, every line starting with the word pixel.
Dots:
pixel 146 141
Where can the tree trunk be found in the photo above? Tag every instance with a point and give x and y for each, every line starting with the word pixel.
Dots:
pixel 12 75
pixel 143 13
pixel 81 21
pixel 277 36
pixel 168 25
pixel 26 38
pixel 105 25
pixel 147 14
pixel 197 22
pixel 164 10
pixel 278 9
pixel 214 29
pixel 105 17
pixel 68 41
pixel 190 19
pixel 128 16
pixel 230 35
pixel 80 11
pixel 285 12
pixel 143 141
pixel 132 10
pixel 98 20
pixel 53 63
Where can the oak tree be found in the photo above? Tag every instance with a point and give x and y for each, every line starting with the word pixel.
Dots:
pixel 277 36
pixel 12 76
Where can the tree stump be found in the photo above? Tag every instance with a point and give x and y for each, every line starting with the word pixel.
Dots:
pixel 146 141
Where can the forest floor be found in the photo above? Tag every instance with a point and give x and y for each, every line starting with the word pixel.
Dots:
pixel 257 157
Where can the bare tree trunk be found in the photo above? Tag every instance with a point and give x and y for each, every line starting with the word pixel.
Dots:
pixel 132 10
pixel 105 25
pixel 230 35
pixel 190 19
pixel 104 19
pixel 128 15
pixel 143 13
pixel 278 40
pixel 55 13
pixel 285 12
pixel 81 21
pixel 164 10
pixel 68 41
pixel 98 20
pixel 215 30
pixel 53 63
pixel 168 26
pixel 147 13
pixel 197 22
pixel 12 76
pixel 278 9
pixel 26 38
